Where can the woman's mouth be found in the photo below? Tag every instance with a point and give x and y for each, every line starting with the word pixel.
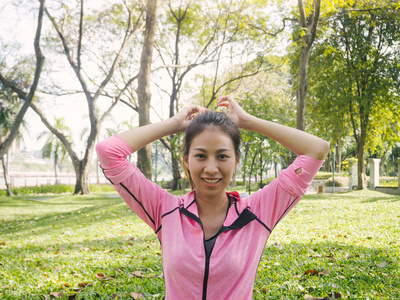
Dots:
pixel 211 181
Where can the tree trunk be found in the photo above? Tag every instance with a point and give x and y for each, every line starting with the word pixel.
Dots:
pixel 301 93
pixel 339 155
pixel 251 172
pixel 361 165
pixel 4 161
pixel 55 167
pixel 175 166
pixel 309 31
pixel 82 179
pixel 143 89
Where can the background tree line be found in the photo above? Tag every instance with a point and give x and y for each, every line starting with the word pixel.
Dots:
pixel 342 56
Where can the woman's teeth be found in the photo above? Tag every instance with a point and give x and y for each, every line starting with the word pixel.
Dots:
pixel 211 180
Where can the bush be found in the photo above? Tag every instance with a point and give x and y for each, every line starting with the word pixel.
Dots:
pixel 339 181
pixel 54 189
pixel 327 175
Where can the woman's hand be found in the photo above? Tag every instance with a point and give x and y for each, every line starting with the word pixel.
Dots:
pixel 186 115
pixel 236 113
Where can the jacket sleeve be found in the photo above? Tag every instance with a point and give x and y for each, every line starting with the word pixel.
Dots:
pixel 140 194
pixel 275 200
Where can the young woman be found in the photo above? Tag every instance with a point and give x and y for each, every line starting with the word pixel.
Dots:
pixel 211 240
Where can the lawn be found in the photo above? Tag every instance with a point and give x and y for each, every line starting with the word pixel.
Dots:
pixel 94 247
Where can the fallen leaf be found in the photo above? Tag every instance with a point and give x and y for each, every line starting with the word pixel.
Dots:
pixel 76 274
pixel 83 284
pixel 324 236
pixel 100 276
pixel 382 264
pixel 57 294
pixel 316 255
pixel 335 295
pixel 2 243
pixel 324 272
pixel 57 269
pixel 137 295
pixel 311 272
pixel 265 290
pixel 67 284
pixel 138 274
pixel 309 297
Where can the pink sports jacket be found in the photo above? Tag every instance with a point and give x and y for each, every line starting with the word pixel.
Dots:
pixel 225 266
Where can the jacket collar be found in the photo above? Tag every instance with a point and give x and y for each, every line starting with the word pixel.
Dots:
pixel 190 209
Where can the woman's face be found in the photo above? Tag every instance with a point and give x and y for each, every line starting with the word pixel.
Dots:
pixel 211 161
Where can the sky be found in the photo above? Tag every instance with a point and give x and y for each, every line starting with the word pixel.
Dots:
pixel 19 26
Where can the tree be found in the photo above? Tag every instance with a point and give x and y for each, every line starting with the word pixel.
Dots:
pixel 9 107
pixel 308 32
pixel 194 34
pixel 53 148
pixel 143 88
pixel 73 29
pixel 358 71
pixel 267 95
pixel 12 82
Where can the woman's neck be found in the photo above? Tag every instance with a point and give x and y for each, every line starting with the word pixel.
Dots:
pixel 209 206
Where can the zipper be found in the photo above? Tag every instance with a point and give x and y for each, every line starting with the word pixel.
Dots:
pixel 206 272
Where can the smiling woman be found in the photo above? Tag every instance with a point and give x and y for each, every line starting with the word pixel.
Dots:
pixel 211 240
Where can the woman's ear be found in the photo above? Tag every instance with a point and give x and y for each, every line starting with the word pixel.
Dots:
pixel 237 162
pixel 186 161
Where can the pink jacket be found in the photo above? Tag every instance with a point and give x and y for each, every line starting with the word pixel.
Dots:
pixel 225 266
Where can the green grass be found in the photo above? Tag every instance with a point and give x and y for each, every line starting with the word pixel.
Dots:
pixel 88 247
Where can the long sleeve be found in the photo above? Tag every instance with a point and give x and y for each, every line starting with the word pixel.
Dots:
pixel 144 197
pixel 274 201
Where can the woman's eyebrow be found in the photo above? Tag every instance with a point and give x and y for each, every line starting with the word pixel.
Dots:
pixel 219 150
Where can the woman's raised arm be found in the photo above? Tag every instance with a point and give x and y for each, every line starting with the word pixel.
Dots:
pixel 141 136
pixel 297 141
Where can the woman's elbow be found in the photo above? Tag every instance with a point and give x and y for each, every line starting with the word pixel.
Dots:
pixel 321 150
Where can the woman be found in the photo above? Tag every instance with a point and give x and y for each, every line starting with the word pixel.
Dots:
pixel 211 240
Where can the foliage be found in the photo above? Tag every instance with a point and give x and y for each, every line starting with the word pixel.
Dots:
pixel 267 96
pixel 355 77
pixel 93 247
pixel 54 189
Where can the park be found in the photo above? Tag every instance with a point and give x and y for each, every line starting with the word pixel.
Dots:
pixel 75 74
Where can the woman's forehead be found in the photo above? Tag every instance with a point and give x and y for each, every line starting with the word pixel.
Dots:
pixel 212 137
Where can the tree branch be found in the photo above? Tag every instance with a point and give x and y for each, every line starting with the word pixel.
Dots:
pixel 27 97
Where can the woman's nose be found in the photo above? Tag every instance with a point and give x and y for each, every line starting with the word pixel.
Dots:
pixel 211 166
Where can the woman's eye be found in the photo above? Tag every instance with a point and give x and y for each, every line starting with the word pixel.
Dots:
pixel 223 156
pixel 200 156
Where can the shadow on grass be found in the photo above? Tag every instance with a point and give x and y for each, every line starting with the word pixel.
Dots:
pixel 386 198
pixel 92 210
pixel 353 271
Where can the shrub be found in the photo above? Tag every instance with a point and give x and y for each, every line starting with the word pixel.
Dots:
pixel 339 181
pixel 55 189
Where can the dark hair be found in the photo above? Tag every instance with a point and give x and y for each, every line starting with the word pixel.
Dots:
pixel 204 120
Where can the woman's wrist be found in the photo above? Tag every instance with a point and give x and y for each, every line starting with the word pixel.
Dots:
pixel 248 122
